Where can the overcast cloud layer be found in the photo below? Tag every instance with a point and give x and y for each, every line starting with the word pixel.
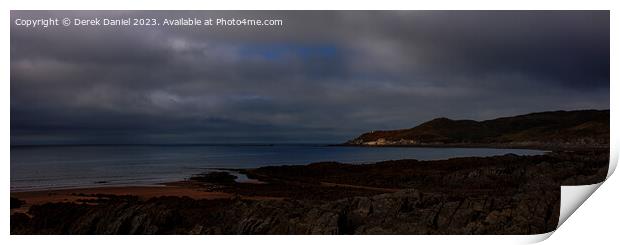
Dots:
pixel 322 77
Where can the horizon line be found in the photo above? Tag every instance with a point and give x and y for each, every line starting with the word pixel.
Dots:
pixel 172 144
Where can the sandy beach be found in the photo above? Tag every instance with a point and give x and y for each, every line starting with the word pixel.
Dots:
pixel 83 195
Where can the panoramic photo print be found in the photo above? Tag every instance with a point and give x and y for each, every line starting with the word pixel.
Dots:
pixel 304 122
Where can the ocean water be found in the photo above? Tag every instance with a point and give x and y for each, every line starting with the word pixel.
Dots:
pixel 53 167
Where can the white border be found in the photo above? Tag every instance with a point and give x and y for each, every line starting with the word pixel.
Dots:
pixel 590 228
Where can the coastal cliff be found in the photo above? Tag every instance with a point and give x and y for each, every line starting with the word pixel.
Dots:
pixel 543 130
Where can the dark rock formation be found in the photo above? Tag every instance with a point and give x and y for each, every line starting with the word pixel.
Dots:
pixel 16 203
pixel 492 195
pixel 215 177
pixel 404 212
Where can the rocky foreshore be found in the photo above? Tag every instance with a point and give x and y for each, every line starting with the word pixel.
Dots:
pixel 507 194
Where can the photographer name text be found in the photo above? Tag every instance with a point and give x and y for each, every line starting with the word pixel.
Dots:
pixel 120 22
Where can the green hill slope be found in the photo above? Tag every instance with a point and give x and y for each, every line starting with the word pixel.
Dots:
pixel 585 128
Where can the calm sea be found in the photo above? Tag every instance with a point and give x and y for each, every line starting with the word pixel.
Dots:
pixel 51 167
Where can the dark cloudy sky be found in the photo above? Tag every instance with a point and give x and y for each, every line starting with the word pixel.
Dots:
pixel 322 77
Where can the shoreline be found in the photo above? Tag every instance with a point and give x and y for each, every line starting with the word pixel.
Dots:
pixel 239 172
pixel 86 195
pixel 187 183
pixel 242 177
pixel 482 146
pixel 467 195
pixel 250 180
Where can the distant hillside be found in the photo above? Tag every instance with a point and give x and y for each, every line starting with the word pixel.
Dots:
pixel 557 129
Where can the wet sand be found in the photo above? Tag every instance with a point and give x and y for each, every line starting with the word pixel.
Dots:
pixel 178 189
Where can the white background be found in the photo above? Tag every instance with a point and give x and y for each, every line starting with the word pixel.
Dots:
pixel 597 221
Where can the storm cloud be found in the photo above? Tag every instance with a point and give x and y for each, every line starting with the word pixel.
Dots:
pixel 324 76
